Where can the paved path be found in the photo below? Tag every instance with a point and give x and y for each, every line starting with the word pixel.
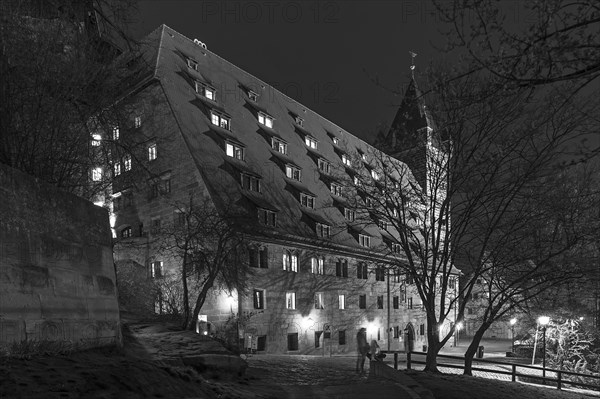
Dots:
pixel 319 377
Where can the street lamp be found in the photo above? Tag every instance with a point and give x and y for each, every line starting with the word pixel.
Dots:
pixel 544 320
pixel 459 327
pixel 513 321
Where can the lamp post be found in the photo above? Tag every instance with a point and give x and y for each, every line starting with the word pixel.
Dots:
pixel 544 320
pixel 513 321
pixel 458 326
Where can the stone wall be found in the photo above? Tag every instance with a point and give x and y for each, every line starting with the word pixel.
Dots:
pixel 57 278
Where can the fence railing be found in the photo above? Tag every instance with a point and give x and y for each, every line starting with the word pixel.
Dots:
pixel 560 379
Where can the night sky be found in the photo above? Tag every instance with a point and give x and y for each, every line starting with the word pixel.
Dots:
pixel 323 54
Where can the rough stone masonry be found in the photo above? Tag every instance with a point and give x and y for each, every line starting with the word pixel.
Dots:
pixel 57 278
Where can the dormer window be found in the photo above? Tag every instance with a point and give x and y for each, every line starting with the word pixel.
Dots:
pixel 374 175
pixel 299 121
pixel 252 96
pixel 383 225
pixel 310 142
pixel 192 64
pixel 346 160
pixel 279 145
pixel 206 91
pixel 349 214
pixel 363 156
pixel 336 189
pixel 267 217
pixel 115 133
pixel 234 150
pixel 324 166
pixel 250 182
pixel 323 230
pixel 307 201
pixel 97 174
pixel 292 172
pixel 335 140
pixel 220 120
pixel 137 121
pixel 364 240
pixel 127 163
pixel 265 119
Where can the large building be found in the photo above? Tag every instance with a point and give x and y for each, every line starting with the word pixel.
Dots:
pixel 206 129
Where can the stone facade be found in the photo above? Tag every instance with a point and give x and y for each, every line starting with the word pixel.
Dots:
pixel 57 278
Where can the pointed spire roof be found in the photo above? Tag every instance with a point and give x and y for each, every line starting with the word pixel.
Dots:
pixel 409 127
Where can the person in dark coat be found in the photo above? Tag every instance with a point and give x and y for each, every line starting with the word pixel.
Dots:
pixel 362 348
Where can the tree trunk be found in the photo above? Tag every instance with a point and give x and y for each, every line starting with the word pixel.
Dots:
pixel 472 349
pixel 186 300
pixel 199 302
pixel 433 346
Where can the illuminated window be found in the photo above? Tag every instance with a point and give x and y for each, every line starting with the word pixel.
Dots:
pixel 410 302
pixel 267 217
pixel 152 154
pixel 157 269
pixel 234 151
pixel 355 180
pixel 279 145
pixel 362 301
pixel 374 174
pixel 96 140
pixel 310 142
pixel 127 163
pixel 362 271
pixel 324 166
pixel 341 268
pixel 220 120
pixel 205 91
pixel 97 174
pixel 192 64
pixel 335 140
pixel 290 300
pixel 137 121
pixel 323 230
pixel 341 301
pixel 319 302
pixel 307 200
pixel 258 297
pixel 265 119
pixel 364 241
pixel 363 156
pixel 380 302
pixel 290 262
pixel 346 160
pixel 292 172
pixel 250 182
pixel 116 133
pixel 349 214
pixel 317 265
pixel 126 232
pixel 117 169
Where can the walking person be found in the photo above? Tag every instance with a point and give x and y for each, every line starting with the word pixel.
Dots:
pixel 362 348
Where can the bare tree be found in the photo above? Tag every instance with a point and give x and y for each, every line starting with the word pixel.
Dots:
pixel 59 83
pixel 210 250
pixel 471 183
pixel 530 43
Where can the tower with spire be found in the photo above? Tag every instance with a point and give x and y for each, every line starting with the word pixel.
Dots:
pixel 411 134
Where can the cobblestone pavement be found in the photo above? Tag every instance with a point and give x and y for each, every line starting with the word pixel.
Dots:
pixel 318 377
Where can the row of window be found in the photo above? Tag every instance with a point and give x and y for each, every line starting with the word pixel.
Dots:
pixel 259 300
pixel 115 132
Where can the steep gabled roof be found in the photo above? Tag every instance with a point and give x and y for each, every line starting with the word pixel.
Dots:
pixel 205 141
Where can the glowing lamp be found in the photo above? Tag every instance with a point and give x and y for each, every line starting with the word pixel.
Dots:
pixel 544 320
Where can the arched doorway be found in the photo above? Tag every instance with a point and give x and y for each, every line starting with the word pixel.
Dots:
pixel 409 338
